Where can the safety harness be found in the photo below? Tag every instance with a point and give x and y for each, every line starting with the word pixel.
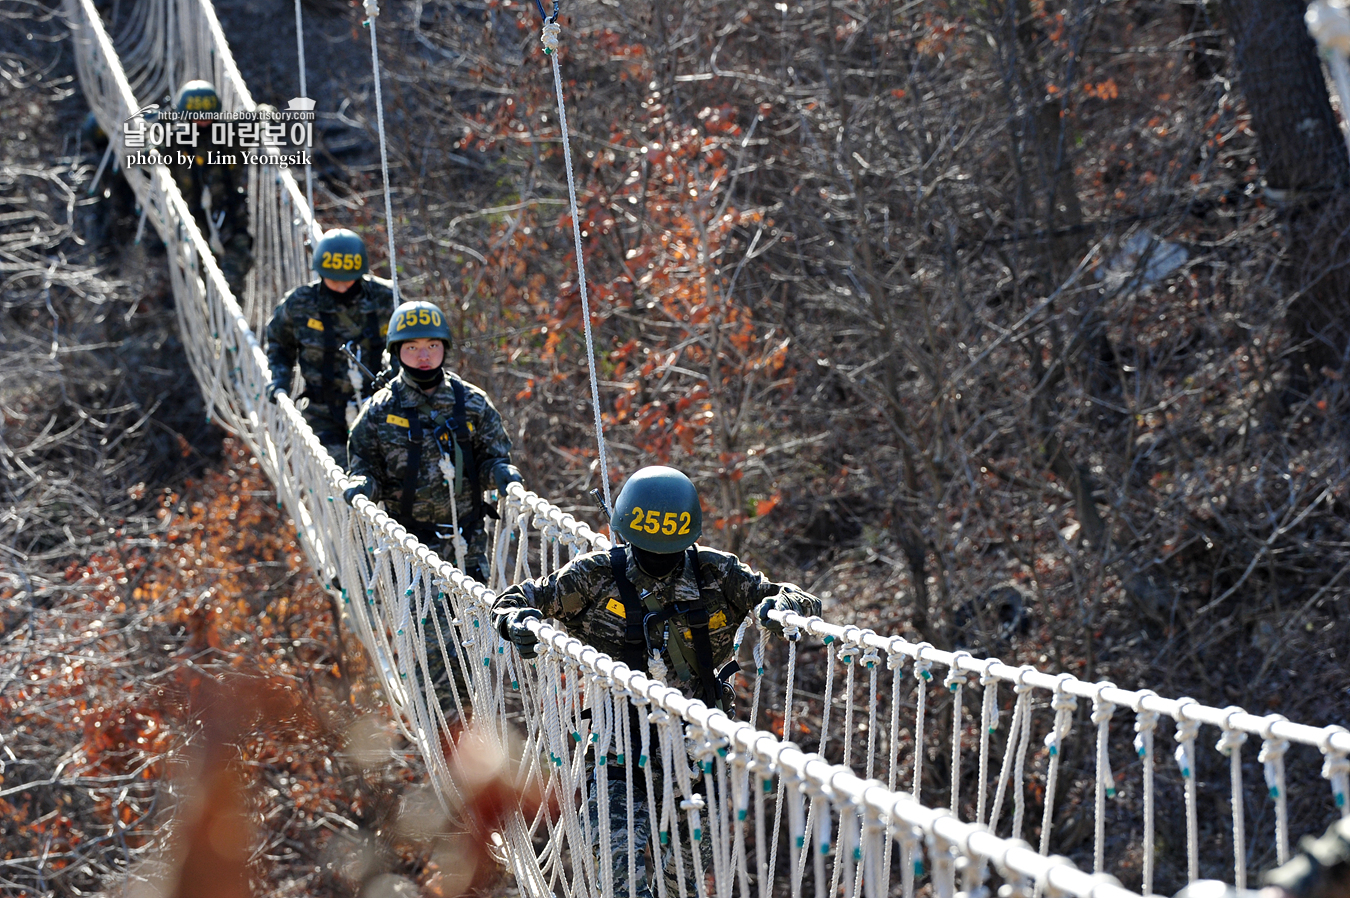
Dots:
pixel 451 434
pixel 332 397
pixel 639 618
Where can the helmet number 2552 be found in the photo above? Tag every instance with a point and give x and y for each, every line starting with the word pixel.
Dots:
pixel 652 521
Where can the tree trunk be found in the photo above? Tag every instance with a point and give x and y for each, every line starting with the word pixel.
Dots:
pixel 1307 173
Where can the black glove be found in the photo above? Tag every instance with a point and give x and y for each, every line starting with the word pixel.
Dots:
pixel 362 486
pixel 762 613
pixel 512 627
pixel 274 388
pixel 505 474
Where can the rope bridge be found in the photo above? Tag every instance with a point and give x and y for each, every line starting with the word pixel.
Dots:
pixel 779 818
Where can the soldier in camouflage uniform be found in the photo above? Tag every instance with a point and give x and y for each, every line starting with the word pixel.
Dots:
pixel 424 422
pixel 215 191
pixel 347 306
pixel 659 595
pixel 426 444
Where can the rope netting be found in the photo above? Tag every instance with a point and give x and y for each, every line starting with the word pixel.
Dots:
pixel 895 727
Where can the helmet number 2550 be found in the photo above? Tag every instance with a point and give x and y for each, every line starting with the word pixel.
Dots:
pixel 652 521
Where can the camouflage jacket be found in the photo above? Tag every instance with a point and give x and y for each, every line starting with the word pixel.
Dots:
pixel 212 169
pixel 311 325
pixel 583 597
pixel 378 448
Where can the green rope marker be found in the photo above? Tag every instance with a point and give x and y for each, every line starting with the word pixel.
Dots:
pixel 400 631
pixel 828 640
pixel 857 854
pixel 1111 792
pixel 1142 752
pixel 800 841
pixel 595 737
pixel 707 766
pixel 487 661
pixel 665 837
pixel 408 591
pixel 1054 750
pixel 576 735
pixel 515 684
pixel 918 867
pixel 721 752
pixel 741 813
pixel 927 676
pixel 618 760
pixel 642 761
pixel 824 849
pixel 759 671
pixel 698 835
pixel 768 786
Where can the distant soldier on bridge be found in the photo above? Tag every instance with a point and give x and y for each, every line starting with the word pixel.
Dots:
pixel 212 180
pixel 346 306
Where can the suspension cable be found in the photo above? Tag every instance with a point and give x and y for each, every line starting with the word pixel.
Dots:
pixel 552 31
pixel 304 92
pixel 372 12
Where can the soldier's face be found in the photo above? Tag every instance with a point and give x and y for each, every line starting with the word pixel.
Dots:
pixel 424 353
pixel 338 286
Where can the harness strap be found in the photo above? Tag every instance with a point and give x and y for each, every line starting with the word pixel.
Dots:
pixel 634 636
pixel 336 410
pixel 695 615
pixel 414 463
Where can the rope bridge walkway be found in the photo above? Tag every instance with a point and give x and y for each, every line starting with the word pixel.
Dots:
pixel 779 818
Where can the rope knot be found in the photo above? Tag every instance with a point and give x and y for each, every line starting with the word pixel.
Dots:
pixel 955 679
pixel 871 658
pixel 550 37
pixel 372 8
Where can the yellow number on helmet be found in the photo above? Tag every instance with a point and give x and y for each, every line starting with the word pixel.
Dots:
pixel 653 522
pixel 636 523
pixel 423 316
pixel 668 523
pixel 436 318
pixel 684 523
pixel 327 261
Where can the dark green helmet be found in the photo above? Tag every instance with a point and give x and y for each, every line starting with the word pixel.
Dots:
pixel 91 132
pixel 658 511
pixel 413 321
pixel 197 96
pixel 340 255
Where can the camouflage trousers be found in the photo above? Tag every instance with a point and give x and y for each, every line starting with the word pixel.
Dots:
pixel 448 680
pixel 331 434
pixel 644 886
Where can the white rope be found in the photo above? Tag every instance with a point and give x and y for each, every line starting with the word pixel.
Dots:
pixel 1272 761
pixel 1145 726
pixel 1185 755
pixel 304 92
pixel 1336 768
pixel 1102 710
pixel 550 38
pixel 372 13
pixel 955 682
pixel 1064 705
pixel 1230 745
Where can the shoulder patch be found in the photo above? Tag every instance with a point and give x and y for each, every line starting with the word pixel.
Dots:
pixel 314 323
pixel 396 420
pixel 614 606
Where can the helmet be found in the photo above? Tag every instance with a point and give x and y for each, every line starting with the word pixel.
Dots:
pixel 413 321
pixel 340 255
pixel 197 96
pixel 658 511
pixel 91 132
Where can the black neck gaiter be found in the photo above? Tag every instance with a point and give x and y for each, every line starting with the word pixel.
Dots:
pixel 657 564
pixel 424 380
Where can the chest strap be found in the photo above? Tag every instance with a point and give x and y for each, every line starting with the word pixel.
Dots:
pixel 456 426
pixel 337 407
pixel 694 613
